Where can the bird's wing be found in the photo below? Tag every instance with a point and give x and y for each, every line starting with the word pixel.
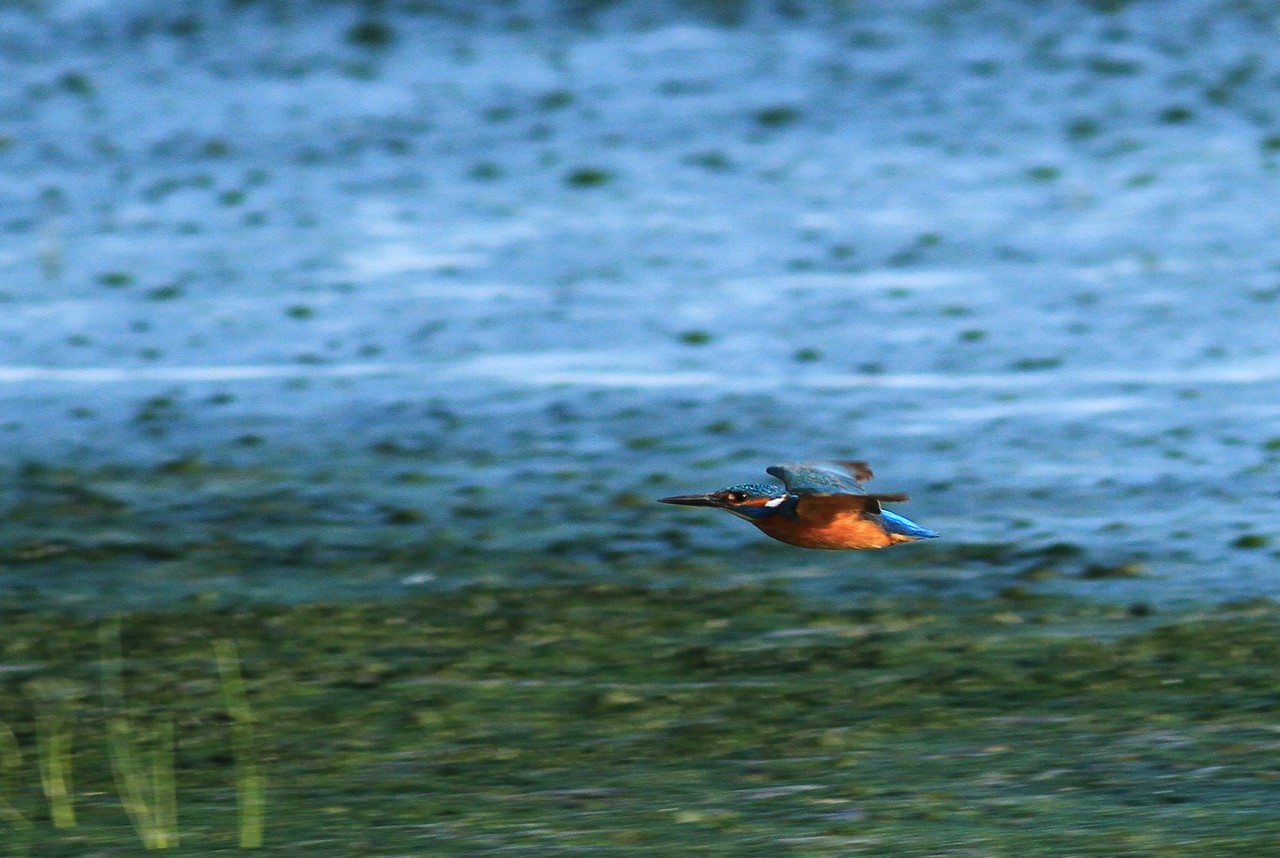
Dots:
pixel 822 478
pixel 821 508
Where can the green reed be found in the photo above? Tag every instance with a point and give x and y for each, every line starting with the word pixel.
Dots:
pixel 143 771
pixel 250 792
pixel 54 702
pixel 10 763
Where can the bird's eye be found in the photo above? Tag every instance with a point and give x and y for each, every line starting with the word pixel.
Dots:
pixel 735 497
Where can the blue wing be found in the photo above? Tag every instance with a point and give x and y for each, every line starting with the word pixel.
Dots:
pixel 822 478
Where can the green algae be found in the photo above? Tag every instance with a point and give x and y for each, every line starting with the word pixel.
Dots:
pixel 614 719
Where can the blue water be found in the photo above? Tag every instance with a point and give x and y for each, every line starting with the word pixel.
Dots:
pixel 1022 259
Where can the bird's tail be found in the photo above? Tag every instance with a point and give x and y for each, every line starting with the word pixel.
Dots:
pixel 906 527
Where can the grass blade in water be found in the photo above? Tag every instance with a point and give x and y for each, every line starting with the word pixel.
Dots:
pixel 249 783
pixel 147 787
pixel 53 730
pixel 10 763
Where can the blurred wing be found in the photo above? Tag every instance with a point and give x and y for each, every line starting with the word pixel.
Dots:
pixel 823 478
pixel 822 511
pixel 819 509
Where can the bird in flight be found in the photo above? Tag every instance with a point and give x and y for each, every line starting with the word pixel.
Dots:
pixel 818 505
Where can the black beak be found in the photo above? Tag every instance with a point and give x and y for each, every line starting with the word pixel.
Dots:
pixel 693 500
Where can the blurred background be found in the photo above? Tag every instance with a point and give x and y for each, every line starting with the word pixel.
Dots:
pixel 327 301
pixel 287 280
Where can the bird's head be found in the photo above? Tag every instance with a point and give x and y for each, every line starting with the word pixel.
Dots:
pixel 749 501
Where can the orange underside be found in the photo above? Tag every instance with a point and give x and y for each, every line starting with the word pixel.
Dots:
pixel 847 531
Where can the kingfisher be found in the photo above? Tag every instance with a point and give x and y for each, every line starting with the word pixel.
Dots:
pixel 818 505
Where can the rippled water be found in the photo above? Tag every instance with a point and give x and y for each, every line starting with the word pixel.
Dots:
pixel 1022 261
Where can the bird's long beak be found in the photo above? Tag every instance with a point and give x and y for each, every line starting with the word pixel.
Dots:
pixel 692 500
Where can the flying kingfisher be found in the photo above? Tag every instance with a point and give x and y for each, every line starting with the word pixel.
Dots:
pixel 819 505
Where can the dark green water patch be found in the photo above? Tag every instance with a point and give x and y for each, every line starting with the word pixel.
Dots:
pixel 608 720
pixel 121 537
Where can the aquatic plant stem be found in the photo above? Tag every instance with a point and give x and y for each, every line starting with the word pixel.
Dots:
pixel 10 763
pixel 147 789
pixel 250 796
pixel 54 742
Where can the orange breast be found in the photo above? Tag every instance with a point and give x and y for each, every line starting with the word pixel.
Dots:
pixel 847 530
